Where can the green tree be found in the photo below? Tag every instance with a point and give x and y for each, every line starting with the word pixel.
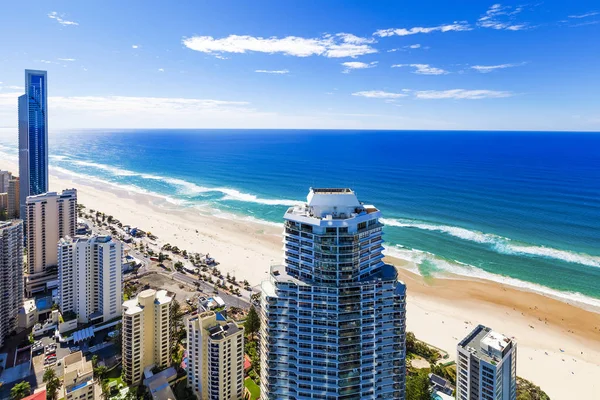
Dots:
pixel 161 257
pixel 417 387
pixel 95 361
pixel 105 390
pixel 252 323
pixel 178 265
pixel 20 390
pixel 100 372
pixel 52 383
pixel 526 390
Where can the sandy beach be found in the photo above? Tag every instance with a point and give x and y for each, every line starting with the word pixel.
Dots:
pixel 559 343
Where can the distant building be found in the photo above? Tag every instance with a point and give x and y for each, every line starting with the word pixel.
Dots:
pixel 215 357
pixel 5 177
pixel 440 385
pixel 146 333
pixel 50 216
pixel 333 316
pixel 14 207
pixel 11 276
pixel 486 368
pixel 89 275
pixel 4 204
pixel 159 385
pixel 33 136
pixel 78 378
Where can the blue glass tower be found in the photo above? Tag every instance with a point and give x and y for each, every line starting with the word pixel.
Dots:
pixel 33 136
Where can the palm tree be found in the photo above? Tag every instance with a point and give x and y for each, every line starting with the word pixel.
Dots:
pixel 52 383
pixel 20 390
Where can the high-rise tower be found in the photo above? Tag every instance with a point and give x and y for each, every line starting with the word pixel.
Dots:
pixel 33 136
pixel 486 366
pixel 11 275
pixel 333 315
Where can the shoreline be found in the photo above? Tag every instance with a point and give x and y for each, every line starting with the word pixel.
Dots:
pixel 440 311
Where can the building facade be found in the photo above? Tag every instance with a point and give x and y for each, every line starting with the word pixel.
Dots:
pixel 146 333
pixel 486 368
pixel 33 136
pixel 78 378
pixel 89 277
pixel 14 206
pixel 50 217
pixel 5 177
pixel 215 357
pixel 11 276
pixel 333 315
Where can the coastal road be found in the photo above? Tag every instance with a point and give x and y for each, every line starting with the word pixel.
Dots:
pixel 230 300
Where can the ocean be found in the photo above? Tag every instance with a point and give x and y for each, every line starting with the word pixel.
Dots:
pixel 519 208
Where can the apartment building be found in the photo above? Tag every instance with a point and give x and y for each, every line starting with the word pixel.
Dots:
pixel 11 276
pixel 146 333
pixel 89 276
pixel 486 368
pixel 333 315
pixel 215 357
pixel 78 378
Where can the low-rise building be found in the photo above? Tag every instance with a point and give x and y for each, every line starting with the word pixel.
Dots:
pixel 78 378
pixel 28 314
pixel 215 357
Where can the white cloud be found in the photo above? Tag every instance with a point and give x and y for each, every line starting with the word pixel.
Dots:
pixel 461 94
pixel 329 93
pixel 345 45
pixel 588 14
pixel 48 62
pixel 392 50
pixel 15 87
pixel 220 57
pixel 161 70
pixel 54 15
pixel 414 46
pixel 489 68
pixel 423 69
pixel 66 59
pixel 350 65
pixel 279 72
pixel 501 18
pixel 350 38
pixel 456 26
pixel 135 46
pixel 378 94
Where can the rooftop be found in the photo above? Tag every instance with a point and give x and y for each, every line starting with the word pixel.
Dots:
pixel 331 203
pixel 486 344
pixel 219 332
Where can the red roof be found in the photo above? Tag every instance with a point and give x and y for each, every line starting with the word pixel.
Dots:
pixel 37 396
pixel 247 362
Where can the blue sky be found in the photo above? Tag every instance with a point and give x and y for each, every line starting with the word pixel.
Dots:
pixel 310 64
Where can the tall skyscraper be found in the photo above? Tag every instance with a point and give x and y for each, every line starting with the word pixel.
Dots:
pixel 33 136
pixel 486 368
pixel 14 206
pixel 11 275
pixel 146 333
pixel 89 276
pixel 50 216
pixel 333 315
pixel 215 357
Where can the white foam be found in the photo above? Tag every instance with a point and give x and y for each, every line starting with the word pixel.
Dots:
pixel 461 269
pixel 189 188
pixel 499 243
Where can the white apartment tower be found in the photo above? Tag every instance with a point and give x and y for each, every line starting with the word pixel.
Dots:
pixel 486 366
pixel 11 275
pixel 146 333
pixel 89 276
pixel 49 216
pixel 215 357
pixel 333 315
pixel 5 177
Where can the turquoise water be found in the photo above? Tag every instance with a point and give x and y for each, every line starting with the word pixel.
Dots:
pixel 520 208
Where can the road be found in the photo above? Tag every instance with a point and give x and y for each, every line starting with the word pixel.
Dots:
pixel 230 300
